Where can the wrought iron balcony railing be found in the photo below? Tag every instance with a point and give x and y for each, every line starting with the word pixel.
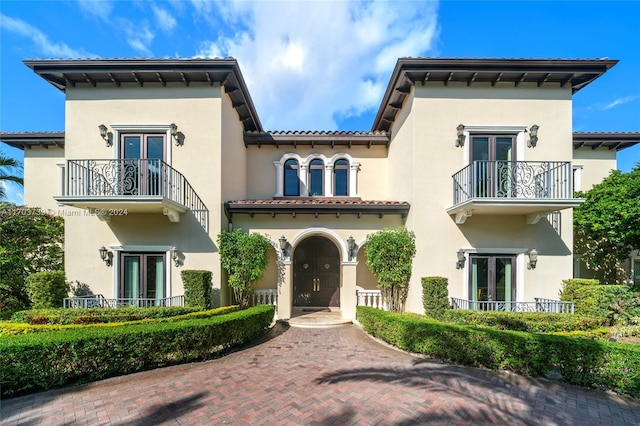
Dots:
pixel 130 179
pixel 536 180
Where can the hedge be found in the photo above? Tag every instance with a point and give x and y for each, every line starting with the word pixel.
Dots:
pixel 533 322
pixel 197 288
pixel 592 298
pixel 96 315
pixel 38 361
pixel 13 328
pixel 47 289
pixel 435 296
pixel 580 361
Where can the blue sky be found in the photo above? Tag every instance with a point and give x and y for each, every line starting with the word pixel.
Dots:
pixel 320 65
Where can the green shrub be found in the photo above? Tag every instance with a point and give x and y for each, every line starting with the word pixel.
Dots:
pixel 435 296
pixel 532 322
pixel 97 315
pixel 197 288
pixel 13 328
pixel 47 289
pixel 580 361
pixel 592 298
pixel 38 361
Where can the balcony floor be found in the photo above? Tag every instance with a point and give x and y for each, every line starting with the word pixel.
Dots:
pixel 533 209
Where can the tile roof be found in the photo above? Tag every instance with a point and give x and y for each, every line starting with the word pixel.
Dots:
pixel 316 206
pixel 321 137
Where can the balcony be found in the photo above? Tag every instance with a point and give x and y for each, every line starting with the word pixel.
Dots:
pixel 530 188
pixel 122 186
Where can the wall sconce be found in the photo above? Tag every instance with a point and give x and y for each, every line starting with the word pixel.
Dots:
pixel 105 255
pixel 351 246
pixel 461 137
pixel 283 245
pixel 175 256
pixel 533 136
pixel 174 133
pixel 533 259
pixel 104 134
pixel 461 259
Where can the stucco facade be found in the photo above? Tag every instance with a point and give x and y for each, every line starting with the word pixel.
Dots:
pixel 473 156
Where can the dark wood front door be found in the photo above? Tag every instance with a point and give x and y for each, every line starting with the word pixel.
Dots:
pixel 316 273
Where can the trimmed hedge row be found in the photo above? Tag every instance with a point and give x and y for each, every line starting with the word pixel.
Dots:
pixel 534 322
pixel 12 328
pixel 97 315
pixel 592 298
pixel 584 362
pixel 38 361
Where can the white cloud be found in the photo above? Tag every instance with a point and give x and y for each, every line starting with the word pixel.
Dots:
pixel 165 20
pixel 309 63
pixel 619 101
pixel 100 8
pixel 139 36
pixel 41 40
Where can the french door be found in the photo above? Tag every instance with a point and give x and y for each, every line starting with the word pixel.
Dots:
pixel 142 157
pixel 493 157
pixel 492 280
pixel 142 276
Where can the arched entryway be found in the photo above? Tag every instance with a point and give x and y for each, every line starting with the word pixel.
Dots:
pixel 316 273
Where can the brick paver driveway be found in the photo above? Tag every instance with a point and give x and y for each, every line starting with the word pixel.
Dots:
pixel 320 376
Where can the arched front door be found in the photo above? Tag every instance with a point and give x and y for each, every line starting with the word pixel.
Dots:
pixel 316 273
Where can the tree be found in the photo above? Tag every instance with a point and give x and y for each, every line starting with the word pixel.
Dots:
pixel 390 254
pixel 244 257
pixel 8 166
pixel 607 224
pixel 31 240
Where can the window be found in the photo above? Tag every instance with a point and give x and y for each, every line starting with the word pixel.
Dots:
pixel 316 174
pixel 291 185
pixel 341 177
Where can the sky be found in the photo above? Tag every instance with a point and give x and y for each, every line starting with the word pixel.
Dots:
pixel 319 65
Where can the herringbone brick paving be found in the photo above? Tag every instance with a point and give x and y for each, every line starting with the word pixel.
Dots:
pixel 335 376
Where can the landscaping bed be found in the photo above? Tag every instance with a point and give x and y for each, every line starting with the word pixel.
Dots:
pixel 577 360
pixel 37 361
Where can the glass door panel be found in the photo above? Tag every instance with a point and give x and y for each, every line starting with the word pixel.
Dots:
pixel 480 159
pixel 131 277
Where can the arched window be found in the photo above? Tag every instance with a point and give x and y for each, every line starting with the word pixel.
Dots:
pixel 316 172
pixel 341 177
pixel 291 183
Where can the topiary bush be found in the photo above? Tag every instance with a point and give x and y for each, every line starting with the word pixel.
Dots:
pixel 47 289
pixel 435 296
pixel 197 288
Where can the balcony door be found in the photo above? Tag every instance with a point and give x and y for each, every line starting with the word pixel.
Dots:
pixel 142 276
pixel 492 280
pixel 142 157
pixel 492 157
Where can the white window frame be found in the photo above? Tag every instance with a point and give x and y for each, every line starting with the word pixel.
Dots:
pixel 303 173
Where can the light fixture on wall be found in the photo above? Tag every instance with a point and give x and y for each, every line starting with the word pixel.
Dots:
pixel 351 246
pixel 283 245
pixel 175 256
pixel 461 136
pixel 174 133
pixel 105 255
pixel 533 136
pixel 461 259
pixel 104 134
pixel 533 259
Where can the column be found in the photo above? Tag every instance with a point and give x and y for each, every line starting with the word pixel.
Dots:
pixel 328 180
pixel 279 178
pixel 353 173
pixel 304 177
pixel 348 300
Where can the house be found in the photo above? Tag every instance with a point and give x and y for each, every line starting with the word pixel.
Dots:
pixel 158 156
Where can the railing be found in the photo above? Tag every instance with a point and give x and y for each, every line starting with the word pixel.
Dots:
pixel 132 177
pixel 540 305
pixel 99 301
pixel 546 180
pixel 265 297
pixel 371 298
